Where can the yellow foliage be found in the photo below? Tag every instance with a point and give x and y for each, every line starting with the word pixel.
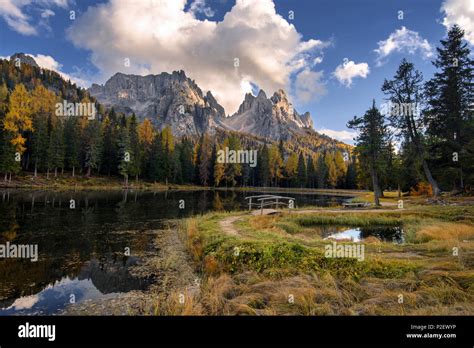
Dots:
pixel 18 119
pixel 421 189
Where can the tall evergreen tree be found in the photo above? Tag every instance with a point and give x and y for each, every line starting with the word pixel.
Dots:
pixel 405 94
pixel 370 143
pixel 449 114
pixel 92 146
pixel 302 174
pixel 311 170
pixel 263 166
pixel 135 148
pixel 124 152
pixel 72 144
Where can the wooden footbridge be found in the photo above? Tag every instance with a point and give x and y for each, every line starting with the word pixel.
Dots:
pixel 262 201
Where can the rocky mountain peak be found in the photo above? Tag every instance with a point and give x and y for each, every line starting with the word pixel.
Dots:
pixel 177 101
pixel 166 99
pixel 261 94
pixel 279 96
pixel 24 59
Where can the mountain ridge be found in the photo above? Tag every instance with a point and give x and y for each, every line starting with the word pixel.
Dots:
pixel 173 99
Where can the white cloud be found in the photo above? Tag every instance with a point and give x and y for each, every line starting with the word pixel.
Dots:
pixel 161 36
pixel 309 86
pixel 318 60
pixel 47 13
pixel 349 70
pixel 25 302
pixel 48 62
pixel 342 135
pixel 403 40
pixel 15 15
pixel 460 12
pixel 199 6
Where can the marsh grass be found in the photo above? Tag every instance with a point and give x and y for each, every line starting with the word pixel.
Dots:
pixel 273 264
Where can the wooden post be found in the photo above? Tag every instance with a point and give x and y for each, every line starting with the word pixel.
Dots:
pixel 250 204
pixel 261 208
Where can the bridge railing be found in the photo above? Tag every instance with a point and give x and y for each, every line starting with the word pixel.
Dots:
pixel 262 201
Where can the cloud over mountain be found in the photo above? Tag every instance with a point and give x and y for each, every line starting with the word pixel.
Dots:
pixel 252 45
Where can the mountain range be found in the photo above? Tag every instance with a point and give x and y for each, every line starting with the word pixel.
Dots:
pixel 177 101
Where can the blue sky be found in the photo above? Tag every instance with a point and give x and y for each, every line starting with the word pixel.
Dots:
pixel 303 54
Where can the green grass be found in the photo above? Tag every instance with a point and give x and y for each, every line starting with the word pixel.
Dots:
pixel 254 271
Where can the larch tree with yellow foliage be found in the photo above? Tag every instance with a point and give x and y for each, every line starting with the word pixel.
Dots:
pixel 18 118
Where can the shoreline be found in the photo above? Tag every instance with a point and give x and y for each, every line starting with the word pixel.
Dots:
pixel 105 183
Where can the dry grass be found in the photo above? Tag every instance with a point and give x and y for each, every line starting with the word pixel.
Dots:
pixel 194 242
pixel 445 231
pixel 439 284
pixel 178 303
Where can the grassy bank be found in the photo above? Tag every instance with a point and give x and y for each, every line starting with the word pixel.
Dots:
pixel 102 182
pixel 67 182
pixel 277 265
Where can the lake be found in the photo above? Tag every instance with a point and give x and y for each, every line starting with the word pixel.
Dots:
pixel 82 252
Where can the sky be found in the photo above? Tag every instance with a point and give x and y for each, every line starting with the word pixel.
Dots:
pixel 330 56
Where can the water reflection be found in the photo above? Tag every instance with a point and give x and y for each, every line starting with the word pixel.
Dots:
pixel 81 250
pixel 386 234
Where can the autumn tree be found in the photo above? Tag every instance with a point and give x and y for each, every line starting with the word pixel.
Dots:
pixel 18 118
pixel 275 164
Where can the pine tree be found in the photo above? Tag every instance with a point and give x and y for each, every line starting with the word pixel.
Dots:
pixel 302 174
pixel 135 148
pixel 110 157
pixel 167 142
pixel 405 94
pixel 321 171
pixel 124 151
pixel 8 164
pixel 311 170
pixel 232 171
pixel 92 145
pixel 204 164
pixel 186 159
pixel 449 115
pixel 72 144
pixel 263 166
pixel 219 168
pixel 370 143
pixel 351 176
pixel 56 148
pixel 291 169
pixel 157 154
